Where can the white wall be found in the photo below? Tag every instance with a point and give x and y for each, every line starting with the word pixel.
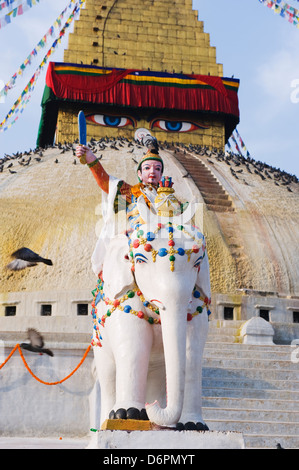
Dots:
pixel 30 408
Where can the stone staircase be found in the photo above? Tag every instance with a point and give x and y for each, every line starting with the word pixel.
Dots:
pixel 213 193
pixel 252 389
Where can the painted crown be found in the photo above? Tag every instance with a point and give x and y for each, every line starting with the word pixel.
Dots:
pixel 166 203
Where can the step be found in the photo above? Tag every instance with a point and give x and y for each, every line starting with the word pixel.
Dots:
pixel 205 175
pixel 202 170
pixel 211 381
pixel 220 391
pixel 251 373
pixel 201 173
pixel 210 187
pixel 246 354
pixel 253 389
pixel 258 427
pixel 217 208
pixel 214 194
pixel 219 331
pixel 274 348
pixel 270 441
pixel 219 350
pixel 250 403
pixel 221 195
pixel 244 414
pixel 225 338
pixel 220 324
pixel 204 179
pixel 195 163
pixel 217 201
pixel 208 184
pixel 253 363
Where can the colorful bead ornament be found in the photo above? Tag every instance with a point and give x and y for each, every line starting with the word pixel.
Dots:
pixel 142 240
pixel 114 304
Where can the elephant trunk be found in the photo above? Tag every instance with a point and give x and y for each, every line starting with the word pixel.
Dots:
pixel 174 341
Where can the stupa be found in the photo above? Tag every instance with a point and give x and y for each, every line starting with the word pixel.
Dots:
pixel 136 65
pixel 155 52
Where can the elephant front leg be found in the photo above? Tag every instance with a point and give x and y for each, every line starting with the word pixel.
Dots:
pixel 132 343
pixel 191 417
pixel 105 367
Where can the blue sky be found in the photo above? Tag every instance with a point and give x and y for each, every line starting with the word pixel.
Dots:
pixel 252 42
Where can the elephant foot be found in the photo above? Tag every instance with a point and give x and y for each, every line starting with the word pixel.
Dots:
pixel 191 426
pixel 130 413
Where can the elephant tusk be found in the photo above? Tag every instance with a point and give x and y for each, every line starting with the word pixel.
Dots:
pixel 161 306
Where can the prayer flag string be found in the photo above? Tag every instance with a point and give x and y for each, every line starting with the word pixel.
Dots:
pixel 7 3
pixel 237 142
pixel 23 99
pixel 41 44
pixel 284 10
pixel 19 9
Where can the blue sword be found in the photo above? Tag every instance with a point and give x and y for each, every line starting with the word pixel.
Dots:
pixel 82 133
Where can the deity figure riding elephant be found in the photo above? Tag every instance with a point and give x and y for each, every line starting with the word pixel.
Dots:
pixel 150 314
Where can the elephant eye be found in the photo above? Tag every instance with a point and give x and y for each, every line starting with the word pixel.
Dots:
pixel 140 258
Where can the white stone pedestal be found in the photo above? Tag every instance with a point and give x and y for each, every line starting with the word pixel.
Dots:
pixel 257 331
pixel 166 440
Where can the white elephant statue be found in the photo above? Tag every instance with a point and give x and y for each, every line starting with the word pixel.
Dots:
pixel 150 314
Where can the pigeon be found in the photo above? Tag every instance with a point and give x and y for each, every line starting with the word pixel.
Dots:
pixel 25 258
pixel 278 446
pixel 36 343
pixel 151 143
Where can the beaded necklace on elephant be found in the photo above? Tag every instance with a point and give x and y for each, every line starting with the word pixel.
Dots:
pixel 114 304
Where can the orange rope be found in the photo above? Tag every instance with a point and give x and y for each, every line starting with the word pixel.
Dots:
pixel 14 349
pixel 17 346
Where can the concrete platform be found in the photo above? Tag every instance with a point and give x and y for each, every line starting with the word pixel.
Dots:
pixel 42 443
pixel 166 440
pixel 114 440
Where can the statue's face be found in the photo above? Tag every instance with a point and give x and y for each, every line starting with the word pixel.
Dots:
pixel 151 172
pixel 169 126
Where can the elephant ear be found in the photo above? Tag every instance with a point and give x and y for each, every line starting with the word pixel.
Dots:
pixel 203 277
pixel 117 274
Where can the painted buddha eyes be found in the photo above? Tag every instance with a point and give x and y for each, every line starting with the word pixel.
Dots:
pixel 174 126
pixel 124 121
pixel 111 121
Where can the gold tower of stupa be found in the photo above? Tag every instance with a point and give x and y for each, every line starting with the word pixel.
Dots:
pixel 160 37
pixel 156 34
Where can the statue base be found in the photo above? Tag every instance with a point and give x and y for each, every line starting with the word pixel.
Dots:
pixel 133 425
pixel 162 438
pixel 126 425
